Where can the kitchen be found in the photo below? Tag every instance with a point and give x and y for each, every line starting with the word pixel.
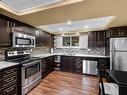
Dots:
pixel 47 48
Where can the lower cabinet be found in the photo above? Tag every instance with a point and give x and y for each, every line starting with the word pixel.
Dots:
pixel 8 81
pixel 74 64
pixel 71 64
pixel 47 66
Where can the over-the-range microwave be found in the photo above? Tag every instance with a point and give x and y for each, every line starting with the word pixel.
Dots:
pixel 22 40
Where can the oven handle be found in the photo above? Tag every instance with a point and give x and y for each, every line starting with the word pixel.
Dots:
pixel 31 63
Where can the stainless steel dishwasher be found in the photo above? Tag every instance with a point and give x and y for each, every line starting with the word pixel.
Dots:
pixel 89 67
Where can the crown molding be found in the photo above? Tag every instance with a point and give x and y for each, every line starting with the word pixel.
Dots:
pixel 36 8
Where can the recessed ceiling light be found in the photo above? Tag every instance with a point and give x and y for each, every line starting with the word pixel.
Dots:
pixel 85 26
pixel 69 22
pixel 61 29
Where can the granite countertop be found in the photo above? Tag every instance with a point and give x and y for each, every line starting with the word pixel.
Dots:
pixel 80 55
pixel 5 64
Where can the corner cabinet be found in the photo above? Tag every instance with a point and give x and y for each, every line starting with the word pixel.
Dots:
pixel 96 38
pixel 47 65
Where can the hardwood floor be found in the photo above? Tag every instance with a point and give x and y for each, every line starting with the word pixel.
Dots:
pixel 63 83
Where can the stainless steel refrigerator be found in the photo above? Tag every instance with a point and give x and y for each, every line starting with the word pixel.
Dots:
pixel 118 54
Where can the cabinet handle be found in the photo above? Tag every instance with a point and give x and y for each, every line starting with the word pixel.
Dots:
pixel 9 89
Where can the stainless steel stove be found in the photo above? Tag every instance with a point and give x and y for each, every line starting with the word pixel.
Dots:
pixel 30 67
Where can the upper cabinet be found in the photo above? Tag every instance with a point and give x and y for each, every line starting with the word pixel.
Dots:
pixel 116 32
pixel 96 39
pixel 8 25
pixel 5 31
pixel 43 38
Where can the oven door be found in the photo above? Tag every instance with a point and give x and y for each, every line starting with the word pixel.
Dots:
pixel 30 72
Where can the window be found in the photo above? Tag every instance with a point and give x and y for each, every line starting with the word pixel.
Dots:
pixel 66 41
pixel 71 41
pixel 75 41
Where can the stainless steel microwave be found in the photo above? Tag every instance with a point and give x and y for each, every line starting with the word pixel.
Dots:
pixel 22 40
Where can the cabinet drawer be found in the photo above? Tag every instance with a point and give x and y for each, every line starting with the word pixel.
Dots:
pixel 10 90
pixel 9 81
pixel 9 71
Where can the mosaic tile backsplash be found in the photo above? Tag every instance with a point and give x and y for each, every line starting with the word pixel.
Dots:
pixel 2 54
pixel 40 50
pixel 90 51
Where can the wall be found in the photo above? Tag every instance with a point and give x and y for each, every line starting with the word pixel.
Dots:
pixel 82 49
pixel 83 41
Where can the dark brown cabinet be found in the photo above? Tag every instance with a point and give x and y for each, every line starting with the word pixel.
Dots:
pixel 116 32
pixel 8 25
pixel 74 64
pixel 43 38
pixel 96 39
pixel 8 81
pixel 47 65
pixel 77 65
pixel 71 64
pixel 66 63
pixel 5 31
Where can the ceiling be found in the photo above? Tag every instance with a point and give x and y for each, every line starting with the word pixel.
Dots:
pixel 26 4
pixel 84 25
pixel 82 10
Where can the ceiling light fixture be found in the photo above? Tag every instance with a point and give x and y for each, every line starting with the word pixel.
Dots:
pixel 85 26
pixel 69 22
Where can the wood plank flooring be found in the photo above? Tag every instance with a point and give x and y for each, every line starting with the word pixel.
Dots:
pixel 63 83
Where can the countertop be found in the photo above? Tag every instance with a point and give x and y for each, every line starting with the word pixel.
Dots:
pixel 5 64
pixel 79 55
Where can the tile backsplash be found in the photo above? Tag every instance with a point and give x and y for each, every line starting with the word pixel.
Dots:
pixel 40 50
pixel 2 53
pixel 91 51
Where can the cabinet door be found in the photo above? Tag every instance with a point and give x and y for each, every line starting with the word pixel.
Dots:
pixel 91 39
pixel 4 33
pixel 100 38
pixel 42 38
pixel 66 64
pixel 77 65
pixel 117 32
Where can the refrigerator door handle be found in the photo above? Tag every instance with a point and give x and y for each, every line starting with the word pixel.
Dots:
pixel 113 53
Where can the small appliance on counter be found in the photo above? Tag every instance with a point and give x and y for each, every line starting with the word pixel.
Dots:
pixel 22 40
pixel 30 67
